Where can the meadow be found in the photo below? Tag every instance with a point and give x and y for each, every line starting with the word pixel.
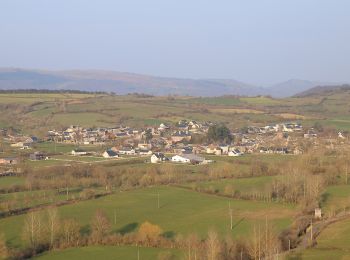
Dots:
pixel 9 181
pixel 333 243
pixel 39 112
pixel 242 185
pixel 111 252
pixel 335 199
pixel 180 212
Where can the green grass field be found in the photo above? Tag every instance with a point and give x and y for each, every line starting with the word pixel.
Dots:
pixel 11 181
pixel 26 199
pixel 181 212
pixel 333 243
pixel 335 198
pixel 39 112
pixel 110 252
pixel 51 147
pixel 243 185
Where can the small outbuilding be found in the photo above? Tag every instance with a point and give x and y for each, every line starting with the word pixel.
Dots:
pixel 110 154
pixel 318 213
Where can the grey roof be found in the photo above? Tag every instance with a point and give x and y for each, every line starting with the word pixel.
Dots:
pixel 192 157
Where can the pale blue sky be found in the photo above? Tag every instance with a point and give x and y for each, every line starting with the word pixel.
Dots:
pixel 257 41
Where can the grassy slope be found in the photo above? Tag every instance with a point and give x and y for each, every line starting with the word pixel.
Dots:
pixel 181 211
pixel 256 184
pixel 333 243
pixel 45 110
pixel 11 181
pixel 335 198
pixel 108 252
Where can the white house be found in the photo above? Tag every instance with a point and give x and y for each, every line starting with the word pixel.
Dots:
pixel 77 152
pixel 189 158
pixel 127 151
pixel 110 154
pixel 212 149
pixel 235 152
pixel 224 149
pixel 145 146
pixel 144 152
pixel 163 127
pixel 287 128
pixel 158 157
pixel 340 135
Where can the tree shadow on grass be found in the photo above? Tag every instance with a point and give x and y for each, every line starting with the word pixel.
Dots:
pixel 128 228
pixel 85 230
pixel 237 223
pixel 169 234
pixel 324 197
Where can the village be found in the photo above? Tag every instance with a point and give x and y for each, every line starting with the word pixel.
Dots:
pixel 186 142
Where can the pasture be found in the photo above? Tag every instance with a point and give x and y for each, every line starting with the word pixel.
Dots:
pixel 9 181
pixel 110 252
pixel 335 198
pixel 40 112
pixel 180 212
pixel 242 185
pixel 333 243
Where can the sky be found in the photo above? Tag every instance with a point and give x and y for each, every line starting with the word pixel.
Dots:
pixel 255 41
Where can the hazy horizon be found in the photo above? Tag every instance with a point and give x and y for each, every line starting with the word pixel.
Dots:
pixel 260 43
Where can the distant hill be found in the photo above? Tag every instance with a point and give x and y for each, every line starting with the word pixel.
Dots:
pixel 121 83
pixel 324 91
pixel 124 83
pixel 294 86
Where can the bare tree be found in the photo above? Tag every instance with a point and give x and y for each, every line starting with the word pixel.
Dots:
pixel 213 247
pixel 53 225
pixel 71 232
pixel 100 226
pixel 32 229
pixel 3 247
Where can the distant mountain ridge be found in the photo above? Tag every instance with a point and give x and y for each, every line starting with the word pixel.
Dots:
pixel 324 90
pixel 124 83
pixel 294 86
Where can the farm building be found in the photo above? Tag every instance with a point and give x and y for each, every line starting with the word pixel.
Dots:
pixel 77 152
pixel 235 152
pixel 158 157
pixel 37 156
pixel 212 149
pixel 110 154
pixel 189 158
pixel 127 151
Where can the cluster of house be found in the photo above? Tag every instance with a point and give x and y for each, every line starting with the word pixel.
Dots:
pixel 282 138
pixel 22 142
pixel 282 127
pixel 79 135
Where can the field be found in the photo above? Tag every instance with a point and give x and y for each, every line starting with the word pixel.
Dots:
pixel 110 252
pixel 333 243
pixel 335 198
pixel 181 212
pixel 36 112
pixel 11 181
pixel 191 203
pixel 241 185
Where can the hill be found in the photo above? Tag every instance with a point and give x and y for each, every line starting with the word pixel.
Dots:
pixel 292 87
pixel 122 83
pixel 324 90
